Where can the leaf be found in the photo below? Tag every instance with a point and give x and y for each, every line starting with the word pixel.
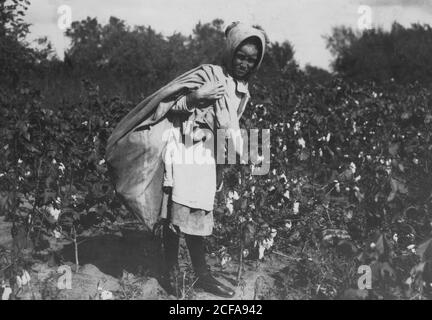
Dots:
pixel 347 248
pixel 7 200
pixel 382 247
pixel 49 195
pixel 393 149
pixel 396 186
pixel 424 250
pixel 387 271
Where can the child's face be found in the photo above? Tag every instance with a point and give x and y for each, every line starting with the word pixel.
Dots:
pixel 245 59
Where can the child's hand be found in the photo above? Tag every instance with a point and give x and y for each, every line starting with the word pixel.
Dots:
pixel 209 91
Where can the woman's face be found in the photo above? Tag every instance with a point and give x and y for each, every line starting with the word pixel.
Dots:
pixel 245 59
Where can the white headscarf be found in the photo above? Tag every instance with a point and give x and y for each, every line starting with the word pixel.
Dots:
pixel 235 36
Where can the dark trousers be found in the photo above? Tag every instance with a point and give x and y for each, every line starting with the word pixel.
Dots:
pixel 195 246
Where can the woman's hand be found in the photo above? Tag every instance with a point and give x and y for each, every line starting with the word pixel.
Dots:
pixel 207 92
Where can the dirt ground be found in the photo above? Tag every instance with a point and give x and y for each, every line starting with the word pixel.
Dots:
pixel 127 263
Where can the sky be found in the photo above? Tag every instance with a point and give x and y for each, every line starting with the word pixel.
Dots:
pixel 302 22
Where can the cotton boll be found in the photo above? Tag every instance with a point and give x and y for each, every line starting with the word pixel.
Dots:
pixel 296 207
pixel 55 213
pixel 235 195
pixel 18 281
pixel 353 167
pixel 106 295
pixel 25 278
pixel 301 143
pixel 57 234
pixel 230 208
pixel 261 250
pixel 7 291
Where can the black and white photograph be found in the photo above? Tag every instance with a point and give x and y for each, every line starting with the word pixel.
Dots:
pixel 215 155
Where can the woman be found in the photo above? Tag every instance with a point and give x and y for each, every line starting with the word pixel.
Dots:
pixel 208 97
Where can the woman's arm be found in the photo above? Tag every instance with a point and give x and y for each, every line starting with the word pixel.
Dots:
pixel 209 91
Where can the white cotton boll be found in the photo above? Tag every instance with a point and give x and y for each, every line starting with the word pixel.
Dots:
pixel 57 234
pixel 271 188
pixel 283 176
pixel 320 152
pixel 395 237
pixel 328 137
pixel 102 162
pixel 287 194
pixel 268 243
pixel 274 172
pixel 54 161
pixel 416 161
pixel 235 195
pixel 337 186
pixel 273 233
pixel 356 179
pixel 288 224
pixel 230 208
pixel 284 148
pixel 261 250
pixel 353 167
pixel 54 212
pixel 7 291
pixel 20 161
pixel 302 142
pixel 253 189
pixel 18 281
pixel 411 247
pixel 296 207
pixel 106 295
pixel 25 278
pixel 62 167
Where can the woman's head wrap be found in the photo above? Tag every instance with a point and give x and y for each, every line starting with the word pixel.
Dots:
pixel 235 34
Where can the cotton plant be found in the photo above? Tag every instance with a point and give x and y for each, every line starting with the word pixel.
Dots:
pixel 231 197
pixel 7 291
pixel 105 294
pixel 23 280
pixel 266 243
